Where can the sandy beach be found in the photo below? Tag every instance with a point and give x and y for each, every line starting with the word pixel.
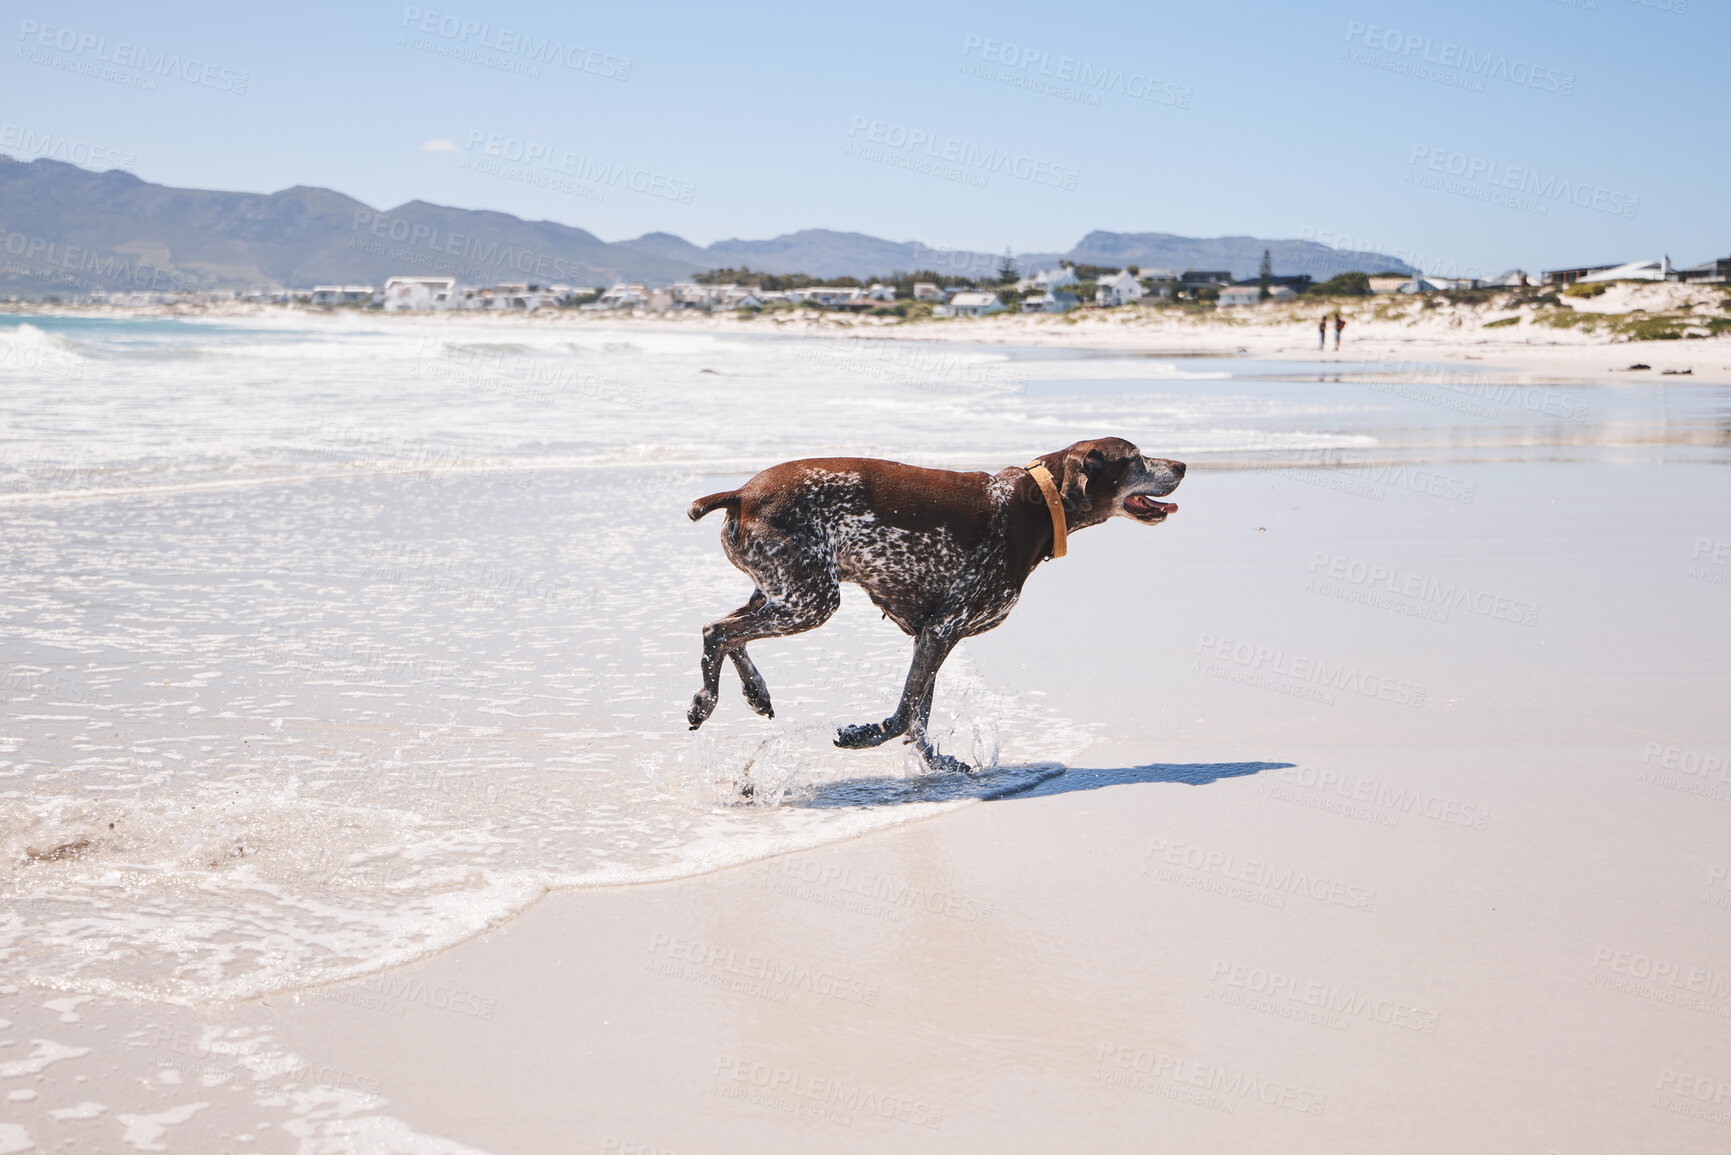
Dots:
pixel 1376 802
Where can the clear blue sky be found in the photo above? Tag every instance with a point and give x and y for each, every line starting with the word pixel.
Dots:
pixel 1277 120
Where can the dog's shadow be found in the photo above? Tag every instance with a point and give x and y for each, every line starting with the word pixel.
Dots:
pixel 1027 781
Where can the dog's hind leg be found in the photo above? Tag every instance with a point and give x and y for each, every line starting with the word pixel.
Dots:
pixel 930 650
pixel 752 683
pixel 794 612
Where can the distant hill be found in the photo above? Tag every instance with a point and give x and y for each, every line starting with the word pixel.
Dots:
pixel 70 230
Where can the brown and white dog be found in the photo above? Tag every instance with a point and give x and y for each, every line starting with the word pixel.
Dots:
pixel 943 554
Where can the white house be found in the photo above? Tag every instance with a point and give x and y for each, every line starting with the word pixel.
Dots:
pixel 1388 284
pixel 511 297
pixel 831 295
pixel 1122 289
pixel 620 297
pixel 1512 279
pixel 926 291
pixel 1239 295
pixel 420 293
pixel 881 292
pixel 1047 281
pixel 1050 303
pixel 975 304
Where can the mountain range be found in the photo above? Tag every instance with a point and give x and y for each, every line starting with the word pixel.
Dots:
pixel 70 230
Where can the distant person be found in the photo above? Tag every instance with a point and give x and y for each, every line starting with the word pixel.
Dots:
pixel 1322 332
pixel 1339 324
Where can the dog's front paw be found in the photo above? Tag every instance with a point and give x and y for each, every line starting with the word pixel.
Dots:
pixel 702 706
pixel 861 736
pixel 944 764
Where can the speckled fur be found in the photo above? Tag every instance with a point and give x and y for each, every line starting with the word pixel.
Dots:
pixel 943 554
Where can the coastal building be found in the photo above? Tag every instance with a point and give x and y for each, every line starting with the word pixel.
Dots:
pixel 510 297
pixel 1240 295
pixel 1122 289
pixel 1513 279
pixel 1047 281
pixel 342 295
pixel 1659 270
pixel 1389 284
pixel 1049 303
pixel 830 296
pixel 420 293
pixel 975 304
pixel 926 291
pixel 619 296
pixel 1715 271
pixel 879 292
pixel 1570 276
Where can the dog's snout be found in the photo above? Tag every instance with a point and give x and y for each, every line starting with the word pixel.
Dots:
pixel 1177 467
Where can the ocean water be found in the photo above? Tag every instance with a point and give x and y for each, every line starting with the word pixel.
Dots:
pixel 328 644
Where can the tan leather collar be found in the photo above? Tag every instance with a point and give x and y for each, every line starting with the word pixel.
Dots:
pixel 1043 478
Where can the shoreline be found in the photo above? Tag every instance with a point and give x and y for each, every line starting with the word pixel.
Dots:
pixel 1391 331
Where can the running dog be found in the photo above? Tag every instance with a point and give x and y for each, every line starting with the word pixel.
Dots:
pixel 942 554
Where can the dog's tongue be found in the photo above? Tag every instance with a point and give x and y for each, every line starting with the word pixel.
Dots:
pixel 1148 504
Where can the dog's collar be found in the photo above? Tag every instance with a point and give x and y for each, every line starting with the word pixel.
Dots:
pixel 1043 478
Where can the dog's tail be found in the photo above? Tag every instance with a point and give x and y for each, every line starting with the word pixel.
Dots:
pixel 704 506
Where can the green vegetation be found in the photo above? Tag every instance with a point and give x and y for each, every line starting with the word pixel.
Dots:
pixel 1503 323
pixel 1343 285
pixel 1592 290
pixel 771 282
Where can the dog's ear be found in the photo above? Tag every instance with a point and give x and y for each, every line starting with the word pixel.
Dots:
pixel 1073 476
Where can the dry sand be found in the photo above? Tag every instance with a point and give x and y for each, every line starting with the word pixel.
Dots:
pixel 1471 897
